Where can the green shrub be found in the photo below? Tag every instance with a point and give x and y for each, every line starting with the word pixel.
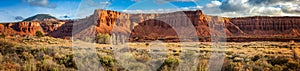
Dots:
pixel 107 61
pixel 6 47
pixel 277 68
pixel 6 44
pixel 39 34
pixel 232 66
pixel 278 61
pixel 256 57
pixel 170 64
pixel 2 36
pixel 103 38
pixel 67 61
pixel 293 65
pixel 229 52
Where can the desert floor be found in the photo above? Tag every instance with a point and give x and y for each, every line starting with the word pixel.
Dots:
pixel 47 53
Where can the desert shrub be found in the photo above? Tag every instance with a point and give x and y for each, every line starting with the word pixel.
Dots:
pixel 39 34
pixel 6 44
pixel 2 36
pixel 142 57
pixel 147 44
pixel 29 67
pixel 202 65
pixel 293 65
pixel 48 65
pixel 103 38
pixel 10 66
pixel 5 47
pixel 257 68
pixel 278 61
pixel 232 66
pixel 66 61
pixel 229 52
pixel 26 56
pixel 1 57
pixel 277 68
pixel 87 39
pixel 170 64
pixel 107 61
pixel 256 57
pixel 285 64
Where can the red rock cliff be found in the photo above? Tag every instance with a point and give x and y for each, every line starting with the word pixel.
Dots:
pixel 29 28
pixel 268 26
pixel 164 26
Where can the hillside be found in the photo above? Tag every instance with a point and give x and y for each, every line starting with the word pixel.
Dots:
pixel 41 17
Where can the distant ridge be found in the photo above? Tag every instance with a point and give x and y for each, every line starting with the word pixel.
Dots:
pixel 41 17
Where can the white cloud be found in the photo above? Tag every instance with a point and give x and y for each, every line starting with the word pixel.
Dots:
pixel 41 3
pixel 105 3
pixel 290 8
pixel 164 10
pixel 240 8
pixel 9 13
pixel 150 11
pixel 180 0
pixel 213 4
pixel 87 7
pixel 169 0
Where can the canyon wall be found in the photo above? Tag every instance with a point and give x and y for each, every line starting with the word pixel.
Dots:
pixel 21 28
pixel 163 26
pixel 27 28
pixel 269 26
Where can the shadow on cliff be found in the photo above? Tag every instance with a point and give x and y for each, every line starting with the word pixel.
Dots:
pixel 151 30
pixel 65 31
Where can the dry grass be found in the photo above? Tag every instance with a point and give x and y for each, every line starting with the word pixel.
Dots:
pixel 54 54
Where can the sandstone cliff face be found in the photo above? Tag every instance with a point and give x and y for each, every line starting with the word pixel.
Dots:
pixel 2 28
pixel 165 26
pixel 151 26
pixel 125 22
pixel 29 28
pixel 61 29
pixel 268 26
pixel 21 28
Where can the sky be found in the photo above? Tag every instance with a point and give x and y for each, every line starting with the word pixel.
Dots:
pixel 17 10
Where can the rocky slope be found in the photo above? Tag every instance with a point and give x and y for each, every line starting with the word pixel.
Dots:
pixel 164 26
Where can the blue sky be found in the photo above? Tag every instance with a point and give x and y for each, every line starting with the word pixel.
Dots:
pixel 10 9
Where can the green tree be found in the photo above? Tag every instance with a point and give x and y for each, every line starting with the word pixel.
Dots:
pixel 103 38
pixel 39 34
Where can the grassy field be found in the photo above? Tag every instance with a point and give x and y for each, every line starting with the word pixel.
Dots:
pixel 52 54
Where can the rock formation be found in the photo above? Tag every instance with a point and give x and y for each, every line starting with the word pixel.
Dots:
pixel 163 26
pixel 268 26
pixel 21 28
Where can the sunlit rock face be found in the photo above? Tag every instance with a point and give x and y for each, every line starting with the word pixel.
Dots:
pixel 268 26
pixel 158 26
pixel 20 28
pixel 164 25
